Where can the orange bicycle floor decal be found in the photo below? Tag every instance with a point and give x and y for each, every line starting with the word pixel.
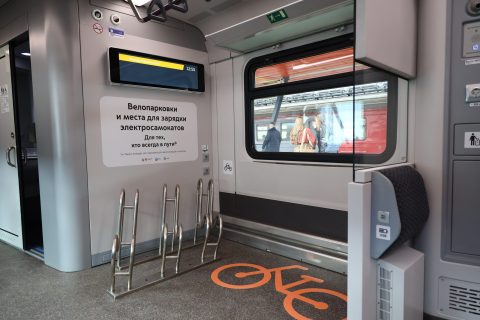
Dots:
pixel 290 296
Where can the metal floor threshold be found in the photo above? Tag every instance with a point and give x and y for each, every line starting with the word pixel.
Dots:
pixel 317 256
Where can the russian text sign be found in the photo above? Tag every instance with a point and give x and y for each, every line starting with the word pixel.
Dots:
pixel 140 132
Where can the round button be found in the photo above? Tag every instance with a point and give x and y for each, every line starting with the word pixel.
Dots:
pixel 97 14
pixel 115 19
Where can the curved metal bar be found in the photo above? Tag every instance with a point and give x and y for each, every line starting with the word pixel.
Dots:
pixel 211 190
pixel 207 233
pixel 134 240
pixel 130 264
pixel 164 249
pixel 115 249
pixel 137 13
pixel 198 209
pixel 9 159
pixel 121 213
pixel 175 215
pixel 164 214
pixel 160 14
pixel 220 231
pixel 179 5
pixel 135 215
pixel 180 238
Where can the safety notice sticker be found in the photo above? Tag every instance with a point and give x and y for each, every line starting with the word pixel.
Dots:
pixel 383 232
pixel 472 140
pixel 4 107
pixel 141 132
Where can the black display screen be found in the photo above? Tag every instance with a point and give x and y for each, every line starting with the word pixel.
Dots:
pixel 135 68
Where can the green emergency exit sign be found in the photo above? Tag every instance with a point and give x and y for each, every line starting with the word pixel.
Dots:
pixel 277 16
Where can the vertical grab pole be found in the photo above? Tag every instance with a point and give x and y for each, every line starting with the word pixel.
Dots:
pixel 121 214
pixel 198 209
pixel 164 213
pixel 134 238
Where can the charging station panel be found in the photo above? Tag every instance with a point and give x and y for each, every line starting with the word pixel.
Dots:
pixel 461 217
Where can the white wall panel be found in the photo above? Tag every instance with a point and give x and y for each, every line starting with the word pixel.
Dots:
pixel 105 183
pixel 386 35
pixel 309 184
pixel 223 105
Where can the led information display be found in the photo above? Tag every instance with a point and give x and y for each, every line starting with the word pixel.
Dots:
pixel 135 68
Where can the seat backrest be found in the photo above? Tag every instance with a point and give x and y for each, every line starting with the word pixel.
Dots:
pixel 399 208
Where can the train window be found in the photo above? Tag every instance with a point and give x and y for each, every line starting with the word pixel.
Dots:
pixel 309 67
pixel 312 104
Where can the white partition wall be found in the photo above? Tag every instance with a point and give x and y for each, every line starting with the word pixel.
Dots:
pixel 386 35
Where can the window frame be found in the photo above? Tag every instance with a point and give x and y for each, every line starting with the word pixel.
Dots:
pixel 328 82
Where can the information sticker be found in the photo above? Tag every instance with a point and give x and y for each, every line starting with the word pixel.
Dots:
pixel 142 132
pixel 383 232
pixel 4 105
pixel 472 140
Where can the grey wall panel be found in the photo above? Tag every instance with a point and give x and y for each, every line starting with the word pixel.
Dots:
pixel 431 113
pixel 105 182
pixel 465 221
pixel 464 124
pixel 13 21
pixel 173 31
pixel 57 91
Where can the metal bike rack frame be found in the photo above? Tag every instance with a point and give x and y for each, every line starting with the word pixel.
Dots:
pixel 177 232
pixel 201 220
pixel 200 216
pixel 211 222
pixel 118 242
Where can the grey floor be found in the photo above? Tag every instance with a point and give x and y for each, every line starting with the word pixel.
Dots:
pixel 31 290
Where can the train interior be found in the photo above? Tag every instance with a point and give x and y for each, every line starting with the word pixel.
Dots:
pixel 212 159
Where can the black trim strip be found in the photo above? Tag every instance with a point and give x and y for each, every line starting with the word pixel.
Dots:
pixel 13 234
pixel 429 317
pixel 322 222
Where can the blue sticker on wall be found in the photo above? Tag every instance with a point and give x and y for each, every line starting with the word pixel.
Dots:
pixel 114 32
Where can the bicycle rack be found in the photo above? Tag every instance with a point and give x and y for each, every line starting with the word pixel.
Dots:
pixel 206 220
pixel 118 242
pixel 177 232
pixel 210 223
pixel 199 215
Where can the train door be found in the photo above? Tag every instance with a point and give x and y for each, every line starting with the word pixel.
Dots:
pixel 20 213
pixel 10 213
pixel 27 147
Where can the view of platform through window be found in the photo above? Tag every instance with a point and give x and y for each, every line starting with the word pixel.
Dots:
pixel 316 66
pixel 323 120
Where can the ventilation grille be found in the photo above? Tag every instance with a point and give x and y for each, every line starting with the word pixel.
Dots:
pixel 384 293
pixel 460 298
